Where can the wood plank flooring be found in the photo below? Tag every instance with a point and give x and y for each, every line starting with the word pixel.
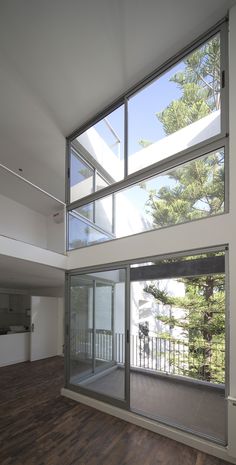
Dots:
pixel 39 427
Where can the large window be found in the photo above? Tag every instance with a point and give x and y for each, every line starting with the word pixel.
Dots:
pixel 159 156
pixel 150 337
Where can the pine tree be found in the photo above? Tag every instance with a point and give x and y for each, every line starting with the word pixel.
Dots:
pixel 195 190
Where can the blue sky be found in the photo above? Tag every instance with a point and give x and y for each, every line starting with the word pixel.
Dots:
pixel 143 123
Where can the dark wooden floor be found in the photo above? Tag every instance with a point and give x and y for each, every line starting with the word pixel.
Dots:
pixel 39 427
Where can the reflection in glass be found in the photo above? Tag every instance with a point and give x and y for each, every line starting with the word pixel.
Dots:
pixel 81 178
pixel 82 234
pixel 81 323
pixel 185 193
pixel 105 144
pixel 97 326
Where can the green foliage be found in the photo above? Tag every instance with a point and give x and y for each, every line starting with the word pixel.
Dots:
pixel 200 87
pixel 144 143
pixel 202 326
pixel 194 190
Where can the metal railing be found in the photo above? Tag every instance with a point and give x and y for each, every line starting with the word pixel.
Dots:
pixel 115 135
pixel 45 213
pixel 199 359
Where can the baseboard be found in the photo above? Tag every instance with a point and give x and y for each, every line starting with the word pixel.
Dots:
pixel 177 435
pixel 13 362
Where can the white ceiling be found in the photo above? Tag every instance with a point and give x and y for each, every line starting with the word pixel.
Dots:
pixel 62 61
pixel 21 274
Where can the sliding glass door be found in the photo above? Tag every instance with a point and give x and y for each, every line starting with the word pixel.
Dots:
pixel 177 350
pixel 150 337
pixel 98 346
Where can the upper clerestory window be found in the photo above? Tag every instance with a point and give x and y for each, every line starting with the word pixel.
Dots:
pixel 175 116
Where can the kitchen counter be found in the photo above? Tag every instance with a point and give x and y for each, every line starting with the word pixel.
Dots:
pixel 14 348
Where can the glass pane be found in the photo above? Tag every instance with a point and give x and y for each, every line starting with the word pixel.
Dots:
pixel 87 211
pixel 177 349
pixel 103 324
pixel 104 142
pixel 100 183
pixel 104 213
pixel 97 358
pixel 101 210
pixel 188 192
pixel 81 178
pixel 82 234
pixel 81 324
pixel 178 110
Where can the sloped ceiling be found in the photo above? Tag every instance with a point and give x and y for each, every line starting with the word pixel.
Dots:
pixel 61 61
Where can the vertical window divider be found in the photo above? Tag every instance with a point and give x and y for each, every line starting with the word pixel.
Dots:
pixel 127 340
pixel 67 330
pixel 224 78
pixel 94 190
pixel 94 327
pixel 67 170
pixel 125 138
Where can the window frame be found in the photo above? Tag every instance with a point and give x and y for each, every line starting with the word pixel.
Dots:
pixel 87 221
pixel 212 144
pixel 127 266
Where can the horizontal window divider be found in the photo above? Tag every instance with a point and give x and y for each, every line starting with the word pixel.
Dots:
pixel 93 225
pixel 151 258
pixel 218 27
pixel 171 226
pixel 189 154
pixel 186 268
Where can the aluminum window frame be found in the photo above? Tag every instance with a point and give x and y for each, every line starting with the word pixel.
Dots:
pixel 171 163
pixel 92 223
pixel 125 403
pixel 126 265
pixel 218 141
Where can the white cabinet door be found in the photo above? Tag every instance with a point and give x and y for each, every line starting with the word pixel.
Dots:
pixel 44 327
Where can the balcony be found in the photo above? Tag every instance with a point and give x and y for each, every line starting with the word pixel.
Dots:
pixel 166 383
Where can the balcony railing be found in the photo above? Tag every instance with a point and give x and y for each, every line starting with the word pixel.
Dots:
pixel 201 360
pixel 31 215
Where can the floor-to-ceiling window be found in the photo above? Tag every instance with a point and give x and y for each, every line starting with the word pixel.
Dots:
pixel 149 335
pixel 173 327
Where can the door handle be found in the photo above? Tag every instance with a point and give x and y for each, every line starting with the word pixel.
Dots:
pixel 32 328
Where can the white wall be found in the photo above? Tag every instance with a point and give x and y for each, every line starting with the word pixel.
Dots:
pixel 27 225
pixel 232 226
pixel 24 251
pixel 55 235
pixel 22 223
